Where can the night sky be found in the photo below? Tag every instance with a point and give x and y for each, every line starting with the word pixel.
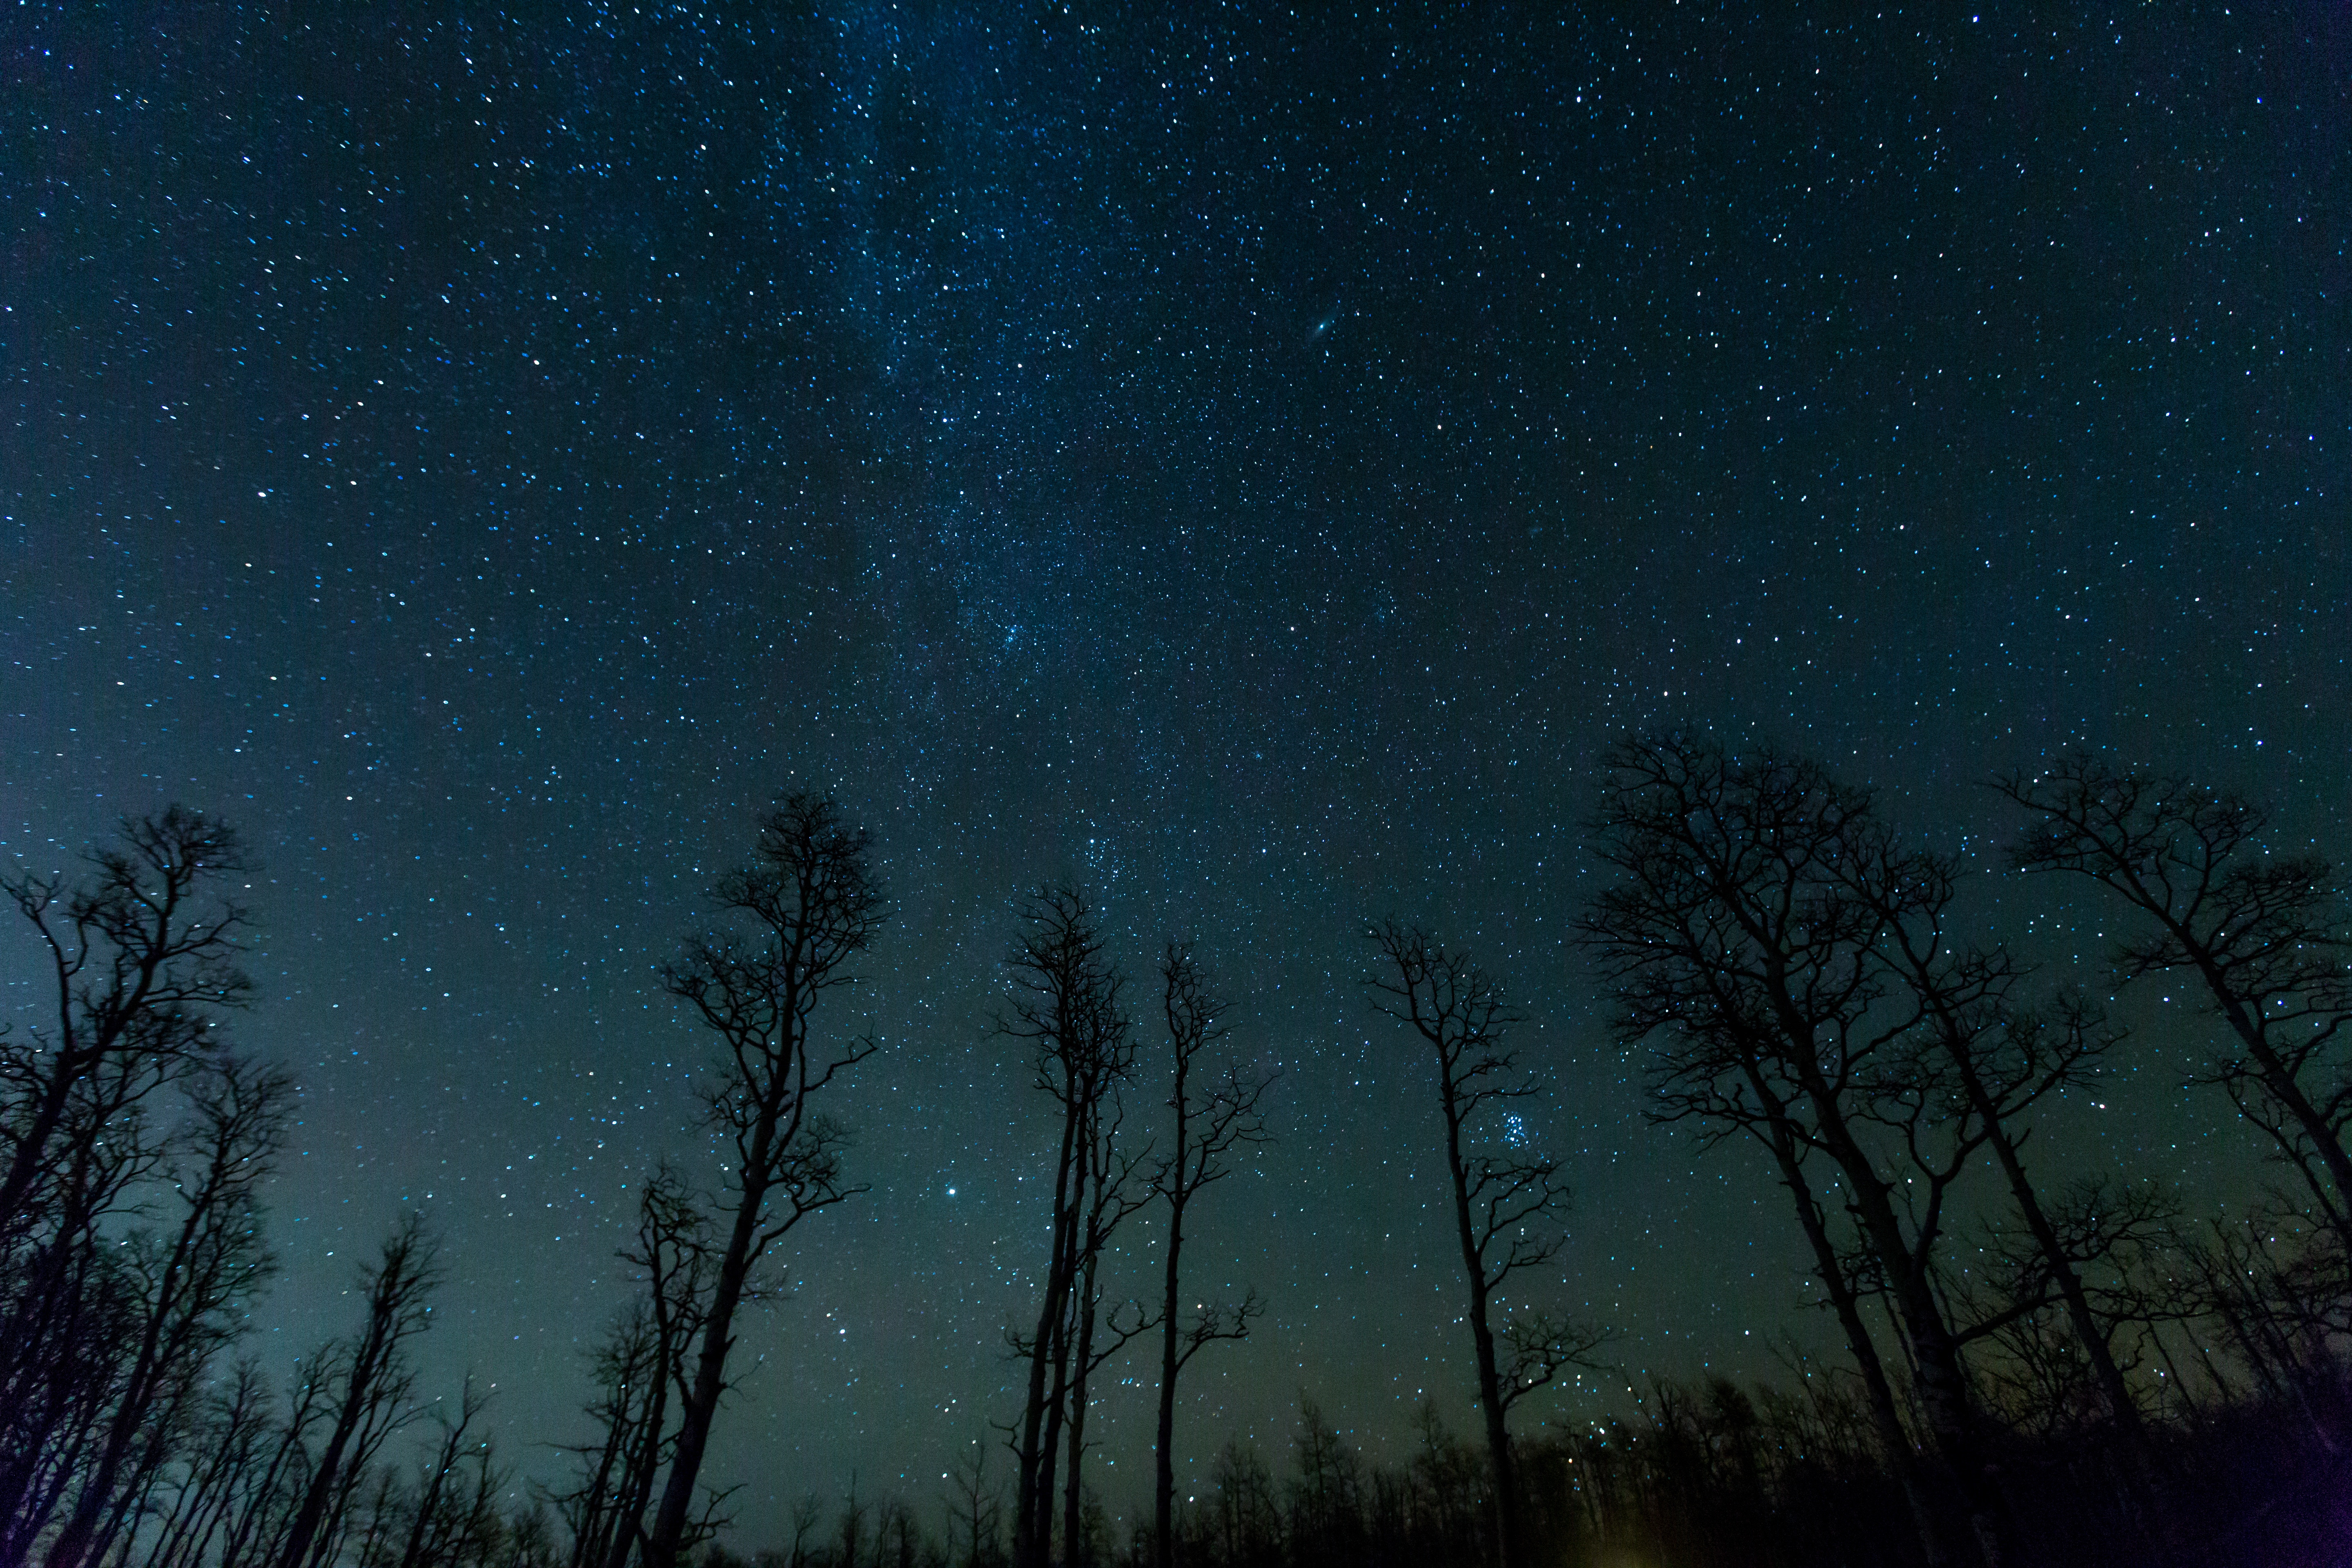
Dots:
pixel 1251 463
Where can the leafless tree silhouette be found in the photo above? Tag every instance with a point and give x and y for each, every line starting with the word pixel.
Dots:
pixel 372 1386
pixel 192 1283
pixel 1742 953
pixel 141 958
pixel 1066 1006
pixel 1507 1205
pixel 810 904
pixel 975 1511
pixel 2265 937
pixel 1977 1045
pixel 141 963
pixel 1207 1124
pixel 640 1366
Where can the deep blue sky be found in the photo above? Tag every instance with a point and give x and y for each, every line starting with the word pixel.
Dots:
pixel 1249 462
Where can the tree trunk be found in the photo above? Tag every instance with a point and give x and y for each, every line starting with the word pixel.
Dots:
pixel 1033 1488
pixel 367 1366
pixel 75 1538
pixel 2279 1083
pixel 1049 1451
pixel 701 1404
pixel 1880 1394
pixel 1490 1390
pixel 1163 1476
pixel 1074 1495
pixel 1941 1378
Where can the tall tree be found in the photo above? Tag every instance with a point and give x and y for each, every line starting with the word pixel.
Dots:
pixel 1721 1083
pixel 1998 1061
pixel 139 961
pixel 1978 1043
pixel 1507 1205
pixel 1208 1123
pixel 1743 954
pixel 192 1281
pixel 1066 1006
pixel 640 1363
pixel 808 905
pixel 2265 936
pixel 432 1521
pixel 253 1501
pixel 71 1307
pixel 1109 1173
pixel 374 1386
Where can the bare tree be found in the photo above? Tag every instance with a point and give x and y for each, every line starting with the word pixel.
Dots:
pixel 226 1450
pixel 433 1522
pixel 897 1535
pixel 73 1305
pixel 140 958
pixel 140 962
pixel 191 1283
pixel 811 904
pixel 373 1387
pixel 1066 1006
pixel 1995 1059
pixel 1209 1125
pixel 852 1526
pixel 256 1500
pixel 639 1366
pixel 2000 1064
pixel 604 1511
pixel 1507 1205
pixel 1110 1174
pixel 1327 1496
pixel 976 1510
pixel 1741 952
pixel 2264 935
pixel 1248 1524
pixel 808 1512
pixel 1740 1095
pixel 2095 1229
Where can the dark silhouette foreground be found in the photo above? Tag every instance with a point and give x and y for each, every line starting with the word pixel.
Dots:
pixel 2031 1371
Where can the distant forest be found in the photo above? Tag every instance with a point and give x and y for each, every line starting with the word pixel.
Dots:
pixel 2032 1371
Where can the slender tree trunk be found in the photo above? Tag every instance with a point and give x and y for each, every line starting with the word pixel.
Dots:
pixel 701 1404
pixel 594 1532
pixel 48 1343
pixel 320 1492
pixel 134 1503
pixel 1876 1390
pixel 2280 1083
pixel 1942 1380
pixel 245 1532
pixel 1074 1494
pixel 2062 1274
pixel 394 1313
pixel 1163 1475
pixel 25 1167
pixel 429 1501
pixel 1937 1369
pixel 635 1494
pixel 1482 1335
pixel 1163 1470
pixel 1033 1488
pixel 1050 1448
pixel 74 1539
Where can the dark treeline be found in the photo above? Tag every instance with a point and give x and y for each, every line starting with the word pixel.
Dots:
pixel 2092 1368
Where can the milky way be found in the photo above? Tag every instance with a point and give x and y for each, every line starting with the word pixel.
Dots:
pixel 1249 464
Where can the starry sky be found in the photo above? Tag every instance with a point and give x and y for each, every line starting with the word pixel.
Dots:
pixel 1250 462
